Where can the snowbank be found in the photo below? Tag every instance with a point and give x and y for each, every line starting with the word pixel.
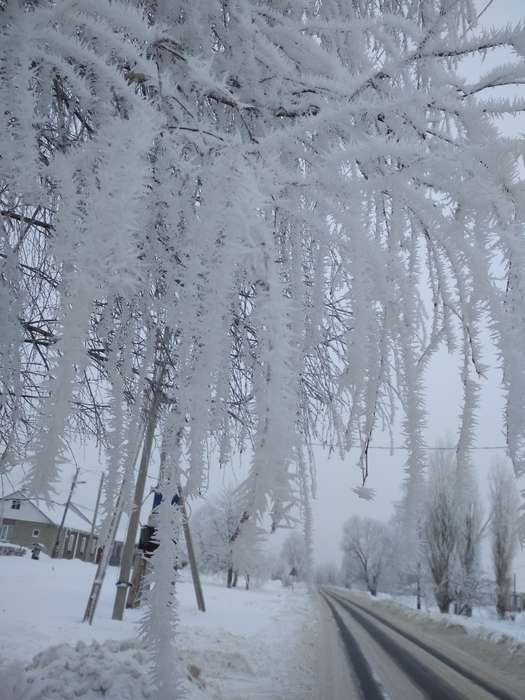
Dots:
pixel 249 644
pixel 484 622
pixel 113 670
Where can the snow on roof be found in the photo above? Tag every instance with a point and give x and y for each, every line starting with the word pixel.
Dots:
pixel 75 518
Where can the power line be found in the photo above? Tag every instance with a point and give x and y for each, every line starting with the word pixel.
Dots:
pixel 103 471
pixel 392 448
pixel 403 447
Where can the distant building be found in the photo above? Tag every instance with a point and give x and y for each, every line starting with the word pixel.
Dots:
pixel 28 521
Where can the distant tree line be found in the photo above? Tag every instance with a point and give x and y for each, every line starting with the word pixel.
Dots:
pixel 451 527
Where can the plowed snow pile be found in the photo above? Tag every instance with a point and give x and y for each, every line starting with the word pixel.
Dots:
pixel 248 645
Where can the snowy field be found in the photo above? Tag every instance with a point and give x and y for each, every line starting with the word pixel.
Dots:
pixel 249 644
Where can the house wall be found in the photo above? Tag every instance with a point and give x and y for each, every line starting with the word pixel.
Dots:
pixel 19 524
pixel 68 545
pixel 21 532
pixel 73 545
pixel 21 509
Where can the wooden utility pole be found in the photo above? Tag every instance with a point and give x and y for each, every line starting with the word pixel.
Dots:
pixel 96 587
pixel 418 586
pixel 140 565
pixel 137 578
pixel 128 551
pixel 2 509
pixel 102 566
pixel 56 548
pixel 87 553
pixel 191 555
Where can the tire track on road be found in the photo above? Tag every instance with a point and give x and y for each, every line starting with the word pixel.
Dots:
pixel 361 670
pixel 484 684
pixel 429 683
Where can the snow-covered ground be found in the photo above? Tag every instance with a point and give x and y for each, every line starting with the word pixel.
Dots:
pixel 484 622
pixel 248 645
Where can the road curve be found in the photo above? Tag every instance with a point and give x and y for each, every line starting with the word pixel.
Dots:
pixel 390 662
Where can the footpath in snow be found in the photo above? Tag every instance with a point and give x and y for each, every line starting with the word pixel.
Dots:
pixel 249 645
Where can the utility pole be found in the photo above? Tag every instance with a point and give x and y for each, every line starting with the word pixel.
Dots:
pixel 137 578
pixel 87 553
pixel 191 555
pixel 140 565
pixel 102 566
pixel 2 500
pixel 123 582
pixel 2 509
pixel 418 585
pixel 74 483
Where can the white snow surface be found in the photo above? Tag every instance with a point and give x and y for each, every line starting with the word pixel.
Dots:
pixel 248 644
pixel 484 622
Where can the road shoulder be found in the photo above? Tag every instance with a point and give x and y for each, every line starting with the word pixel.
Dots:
pixel 500 664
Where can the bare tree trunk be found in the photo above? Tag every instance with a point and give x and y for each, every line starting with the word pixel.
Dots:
pixel 505 503
pixel 372 586
pixel 503 597
pixel 229 577
pixel 443 598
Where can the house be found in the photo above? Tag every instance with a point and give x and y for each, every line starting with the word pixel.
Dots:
pixel 28 521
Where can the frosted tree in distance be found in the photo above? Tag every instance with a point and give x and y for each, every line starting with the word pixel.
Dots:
pixel 294 558
pixel 366 549
pixel 219 536
pixel 440 528
pixel 504 502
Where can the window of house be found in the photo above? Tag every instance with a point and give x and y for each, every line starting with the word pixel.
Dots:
pixel 71 542
pixel 82 545
pixel 4 533
pixel 15 505
pixel 36 532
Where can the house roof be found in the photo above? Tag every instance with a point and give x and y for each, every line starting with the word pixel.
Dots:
pixel 76 519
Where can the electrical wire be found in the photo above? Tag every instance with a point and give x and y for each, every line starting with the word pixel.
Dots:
pixel 396 448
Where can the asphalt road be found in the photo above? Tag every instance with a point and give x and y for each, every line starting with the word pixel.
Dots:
pixel 391 660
